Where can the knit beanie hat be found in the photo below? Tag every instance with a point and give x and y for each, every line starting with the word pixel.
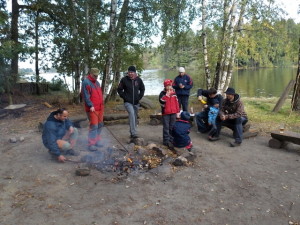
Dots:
pixel 131 69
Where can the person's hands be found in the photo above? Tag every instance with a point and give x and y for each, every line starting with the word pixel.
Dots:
pixel 223 117
pixel 61 158
pixel 181 85
pixel 205 106
pixel 209 124
pixel 92 109
pixel 200 98
pixel 71 129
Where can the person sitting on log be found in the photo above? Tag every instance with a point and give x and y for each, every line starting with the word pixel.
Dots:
pixel 232 115
pixel 59 135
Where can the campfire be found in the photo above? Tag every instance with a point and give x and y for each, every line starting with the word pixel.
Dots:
pixel 134 158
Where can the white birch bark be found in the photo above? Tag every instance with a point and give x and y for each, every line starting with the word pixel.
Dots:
pixel 111 47
pixel 204 42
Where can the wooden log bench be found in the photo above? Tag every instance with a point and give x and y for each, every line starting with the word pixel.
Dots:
pixel 155 119
pixel 279 140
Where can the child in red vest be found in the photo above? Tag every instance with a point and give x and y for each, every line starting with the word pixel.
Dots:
pixel 169 109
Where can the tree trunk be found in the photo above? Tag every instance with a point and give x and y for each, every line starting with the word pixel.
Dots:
pixel 204 42
pixel 111 48
pixel 296 93
pixel 15 42
pixel 219 65
pixel 76 62
pixel 37 71
pixel 235 33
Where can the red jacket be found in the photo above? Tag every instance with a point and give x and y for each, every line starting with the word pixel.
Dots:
pixel 92 94
pixel 169 104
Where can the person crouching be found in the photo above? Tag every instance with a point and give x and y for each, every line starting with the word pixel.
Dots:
pixel 169 109
pixel 181 130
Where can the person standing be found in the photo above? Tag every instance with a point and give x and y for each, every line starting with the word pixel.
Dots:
pixel 169 108
pixel 131 89
pixel 182 85
pixel 202 117
pixel 232 115
pixel 94 107
pixel 59 136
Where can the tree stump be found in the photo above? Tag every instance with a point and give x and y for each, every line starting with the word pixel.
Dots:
pixel 274 143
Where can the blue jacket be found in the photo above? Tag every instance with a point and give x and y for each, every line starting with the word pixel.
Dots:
pixel 54 130
pixel 180 133
pixel 212 115
pixel 187 81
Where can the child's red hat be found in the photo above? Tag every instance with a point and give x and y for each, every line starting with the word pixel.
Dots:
pixel 168 82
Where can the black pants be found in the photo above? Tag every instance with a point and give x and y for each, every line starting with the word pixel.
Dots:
pixel 234 124
pixel 168 123
pixel 183 101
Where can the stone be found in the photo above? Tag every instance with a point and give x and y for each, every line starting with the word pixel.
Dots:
pixel 146 103
pixel 180 161
pixel 138 141
pixel 13 140
pixel 151 146
pixel 21 139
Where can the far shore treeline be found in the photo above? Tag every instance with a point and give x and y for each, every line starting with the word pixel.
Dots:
pixel 70 37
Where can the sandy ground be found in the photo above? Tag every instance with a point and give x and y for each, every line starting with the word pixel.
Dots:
pixel 251 184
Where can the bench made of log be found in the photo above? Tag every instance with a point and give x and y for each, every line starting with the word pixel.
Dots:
pixel 155 119
pixel 278 139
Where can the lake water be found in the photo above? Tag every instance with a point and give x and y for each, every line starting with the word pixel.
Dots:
pixel 265 82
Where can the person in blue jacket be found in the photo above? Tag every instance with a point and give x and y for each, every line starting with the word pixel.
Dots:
pixel 212 117
pixel 181 130
pixel 59 135
pixel 182 85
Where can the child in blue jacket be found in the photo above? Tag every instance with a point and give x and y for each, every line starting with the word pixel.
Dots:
pixel 212 116
pixel 181 130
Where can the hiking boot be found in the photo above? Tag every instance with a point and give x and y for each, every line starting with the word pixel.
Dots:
pixel 72 152
pixel 134 136
pixel 98 144
pixel 246 128
pixel 234 144
pixel 93 148
pixel 213 138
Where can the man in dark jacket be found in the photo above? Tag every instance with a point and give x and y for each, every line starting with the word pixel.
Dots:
pixel 59 135
pixel 182 85
pixel 232 115
pixel 202 117
pixel 131 89
pixel 94 108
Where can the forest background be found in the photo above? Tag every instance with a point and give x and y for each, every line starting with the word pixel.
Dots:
pixel 72 36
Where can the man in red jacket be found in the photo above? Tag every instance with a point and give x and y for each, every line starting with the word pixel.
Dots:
pixel 94 107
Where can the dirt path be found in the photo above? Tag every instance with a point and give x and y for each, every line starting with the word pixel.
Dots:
pixel 251 184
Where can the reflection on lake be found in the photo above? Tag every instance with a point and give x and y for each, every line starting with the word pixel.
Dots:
pixel 265 82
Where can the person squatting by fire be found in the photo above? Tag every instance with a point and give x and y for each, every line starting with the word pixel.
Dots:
pixel 59 136
pixel 94 108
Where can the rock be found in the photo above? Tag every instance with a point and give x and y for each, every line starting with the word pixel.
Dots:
pixel 160 152
pixel 190 156
pixel 142 151
pixel 180 161
pixel 138 141
pixel 21 139
pixel 83 172
pixel 151 146
pixel 13 140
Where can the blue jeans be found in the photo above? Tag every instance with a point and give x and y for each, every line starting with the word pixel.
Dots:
pixel 132 114
pixel 201 120
pixel 234 124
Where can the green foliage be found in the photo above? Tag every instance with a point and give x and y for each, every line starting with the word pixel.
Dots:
pixel 57 84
